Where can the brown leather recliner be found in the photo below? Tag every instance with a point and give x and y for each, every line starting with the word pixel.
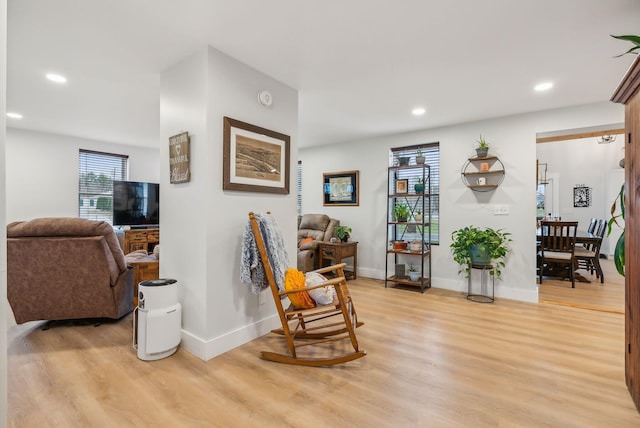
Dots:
pixel 66 268
pixel 319 227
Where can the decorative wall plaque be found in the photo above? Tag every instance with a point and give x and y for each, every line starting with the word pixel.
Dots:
pixel 179 158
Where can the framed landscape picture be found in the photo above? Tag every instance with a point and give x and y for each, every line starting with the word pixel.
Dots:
pixel 341 188
pixel 255 159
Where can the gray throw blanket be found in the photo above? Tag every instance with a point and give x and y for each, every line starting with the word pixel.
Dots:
pixel 251 268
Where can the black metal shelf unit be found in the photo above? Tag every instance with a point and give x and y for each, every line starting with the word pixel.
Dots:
pixel 409 239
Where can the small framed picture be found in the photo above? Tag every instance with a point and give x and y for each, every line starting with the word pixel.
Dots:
pixel 581 196
pixel 402 186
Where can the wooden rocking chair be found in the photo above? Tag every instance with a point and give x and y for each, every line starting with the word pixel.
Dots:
pixel 315 326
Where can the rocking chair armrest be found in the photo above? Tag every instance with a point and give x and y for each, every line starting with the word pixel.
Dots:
pixel 334 281
pixel 330 268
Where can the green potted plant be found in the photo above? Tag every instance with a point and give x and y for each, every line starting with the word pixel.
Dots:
pixel 619 253
pixel 414 275
pixel 480 246
pixel 403 160
pixel 482 148
pixel 418 216
pixel 343 232
pixel 401 212
pixel 419 157
pixel 419 186
pixel 629 38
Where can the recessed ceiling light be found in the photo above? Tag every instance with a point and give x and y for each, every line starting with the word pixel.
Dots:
pixel 56 78
pixel 544 86
pixel 14 115
pixel 418 111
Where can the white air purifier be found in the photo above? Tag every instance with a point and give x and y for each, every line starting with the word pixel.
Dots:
pixel 157 319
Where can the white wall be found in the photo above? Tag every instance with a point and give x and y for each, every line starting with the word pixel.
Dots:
pixel 513 139
pixel 42 172
pixel 3 233
pixel 201 224
pixel 584 161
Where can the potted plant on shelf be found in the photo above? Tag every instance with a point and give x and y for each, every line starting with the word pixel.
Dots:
pixel 403 160
pixel 418 216
pixel 414 275
pixel 419 157
pixel 401 212
pixel 482 149
pixel 343 232
pixel 480 246
pixel 419 186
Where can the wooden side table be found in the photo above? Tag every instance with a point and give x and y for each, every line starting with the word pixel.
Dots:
pixel 336 251
pixel 144 269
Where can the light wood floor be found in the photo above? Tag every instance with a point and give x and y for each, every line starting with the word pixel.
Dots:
pixel 434 359
pixel 594 295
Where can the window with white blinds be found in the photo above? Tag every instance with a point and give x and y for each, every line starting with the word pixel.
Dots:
pixel 299 188
pixel 431 152
pixel 97 172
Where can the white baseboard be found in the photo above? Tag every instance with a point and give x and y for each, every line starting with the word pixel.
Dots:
pixel 460 285
pixel 207 349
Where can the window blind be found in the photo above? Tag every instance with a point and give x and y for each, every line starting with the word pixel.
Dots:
pixel 299 188
pixel 96 174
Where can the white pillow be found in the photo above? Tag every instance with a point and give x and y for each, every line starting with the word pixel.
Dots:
pixel 323 295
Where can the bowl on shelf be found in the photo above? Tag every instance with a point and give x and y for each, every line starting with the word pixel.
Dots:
pixel 415 246
pixel 399 245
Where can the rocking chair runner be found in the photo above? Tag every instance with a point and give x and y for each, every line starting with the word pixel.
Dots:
pixel 315 326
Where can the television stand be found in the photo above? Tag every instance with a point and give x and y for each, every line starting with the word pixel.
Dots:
pixel 141 239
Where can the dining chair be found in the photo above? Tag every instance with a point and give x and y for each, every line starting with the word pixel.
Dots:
pixel 588 257
pixel 592 225
pixel 557 247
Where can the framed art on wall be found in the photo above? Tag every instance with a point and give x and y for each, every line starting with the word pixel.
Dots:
pixel 581 196
pixel 341 188
pixel 255 159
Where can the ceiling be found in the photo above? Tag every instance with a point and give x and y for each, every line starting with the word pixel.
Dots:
pixel 360 66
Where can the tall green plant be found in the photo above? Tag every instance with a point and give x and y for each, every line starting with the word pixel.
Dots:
pixel 618 254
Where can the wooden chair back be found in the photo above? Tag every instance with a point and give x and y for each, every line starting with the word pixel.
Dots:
pixel 557 248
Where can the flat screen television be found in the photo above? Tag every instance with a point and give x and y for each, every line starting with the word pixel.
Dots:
pixel 136 204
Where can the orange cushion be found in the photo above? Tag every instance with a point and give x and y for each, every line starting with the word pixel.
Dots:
pixel 305 241
pixel 295 280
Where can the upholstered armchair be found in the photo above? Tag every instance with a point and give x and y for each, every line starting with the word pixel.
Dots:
pixel 313 228
pixel 66 268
